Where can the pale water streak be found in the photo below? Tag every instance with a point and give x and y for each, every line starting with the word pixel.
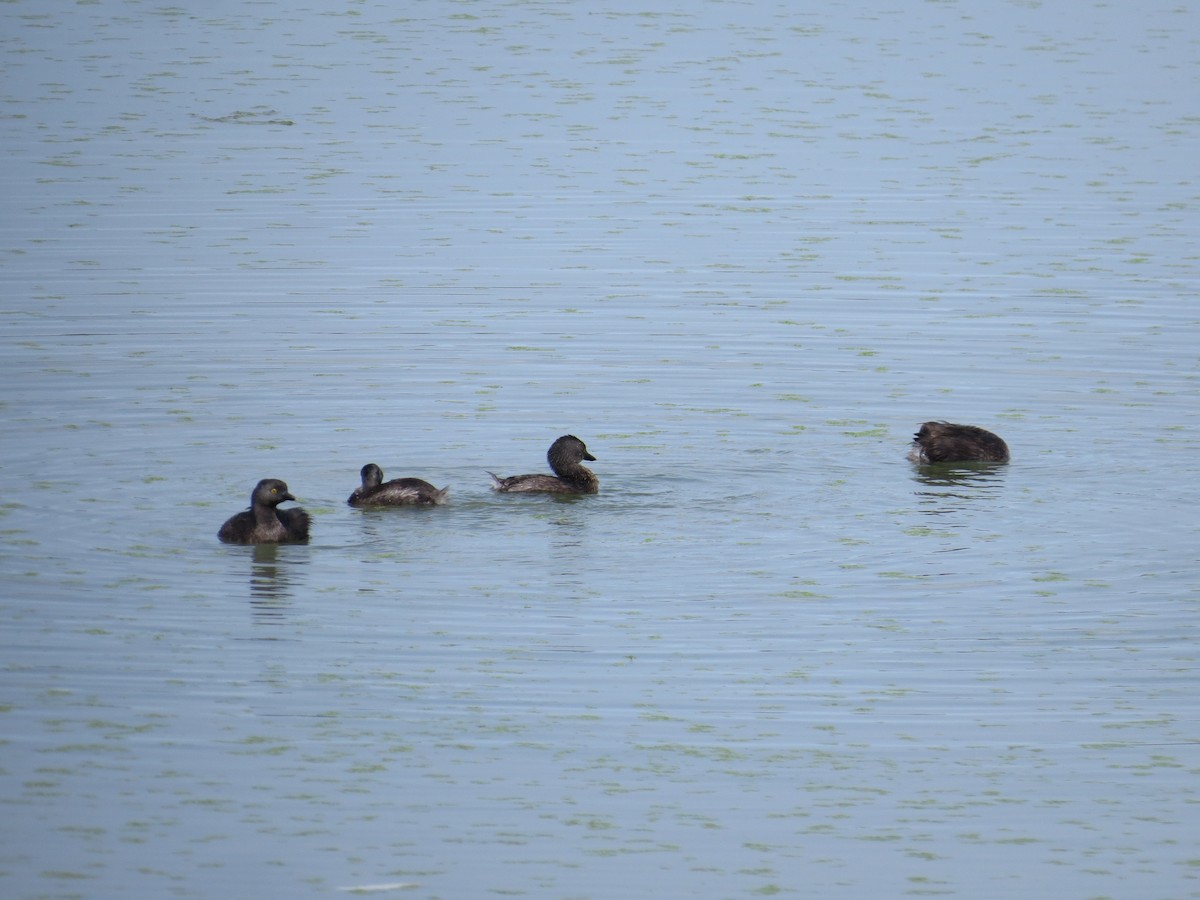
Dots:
pixel 743 250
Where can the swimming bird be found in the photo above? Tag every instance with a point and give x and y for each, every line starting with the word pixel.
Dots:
pixel 570 476
pixel 397 492
pixel 938 442
pixel 264 522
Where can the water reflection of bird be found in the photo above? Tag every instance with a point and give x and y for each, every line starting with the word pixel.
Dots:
pixel 264 522
pixel 938 442
pixel 565 456
pixel 397 492
pixel 270 585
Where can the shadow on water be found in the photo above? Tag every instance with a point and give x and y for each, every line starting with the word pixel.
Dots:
pixel 568 541
pixel 550 531
pixel 270 584
pixel 943 483
pixel 377 525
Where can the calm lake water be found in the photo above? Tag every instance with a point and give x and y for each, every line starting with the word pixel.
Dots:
pixel 742 249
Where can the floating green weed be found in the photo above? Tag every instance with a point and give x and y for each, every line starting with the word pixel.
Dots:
pixel 1051 576
pixel 877 431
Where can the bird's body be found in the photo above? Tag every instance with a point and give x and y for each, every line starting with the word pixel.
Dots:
pixel 570 476
pixel 264 522
pixel 938 442
pixel 397 492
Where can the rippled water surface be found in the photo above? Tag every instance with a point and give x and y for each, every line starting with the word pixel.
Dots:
pixel 742 250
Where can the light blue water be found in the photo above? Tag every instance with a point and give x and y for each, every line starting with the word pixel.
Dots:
pixel 742 250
